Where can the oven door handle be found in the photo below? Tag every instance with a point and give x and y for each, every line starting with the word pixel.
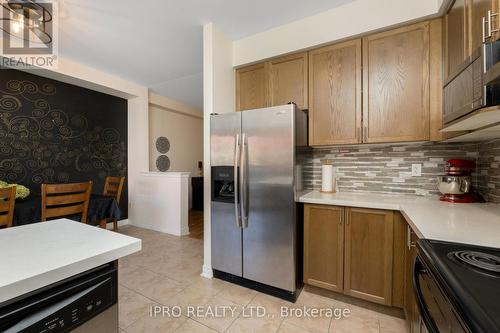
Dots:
pixel 418 269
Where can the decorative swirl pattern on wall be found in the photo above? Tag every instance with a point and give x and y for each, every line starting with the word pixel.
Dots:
pixel 40 143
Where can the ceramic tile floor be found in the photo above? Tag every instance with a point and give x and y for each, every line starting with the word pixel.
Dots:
pixel 167 273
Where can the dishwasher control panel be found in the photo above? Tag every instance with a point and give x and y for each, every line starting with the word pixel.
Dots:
pixel 83 309
pixel 65 308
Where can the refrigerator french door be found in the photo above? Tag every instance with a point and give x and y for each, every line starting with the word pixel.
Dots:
pixel 254 226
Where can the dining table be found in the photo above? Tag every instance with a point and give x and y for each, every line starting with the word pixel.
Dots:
pixel 101 207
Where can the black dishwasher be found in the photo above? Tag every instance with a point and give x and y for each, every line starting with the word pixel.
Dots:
pixel 83 303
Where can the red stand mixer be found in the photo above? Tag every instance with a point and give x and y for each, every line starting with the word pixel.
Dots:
pixel 457 184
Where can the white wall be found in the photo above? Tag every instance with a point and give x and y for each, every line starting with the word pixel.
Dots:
pixel 352 19
pixel 218 97
pixel 162 202
pixel 183 126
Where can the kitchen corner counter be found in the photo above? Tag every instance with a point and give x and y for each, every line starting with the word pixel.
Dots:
pixel 476 223
pixel 37 255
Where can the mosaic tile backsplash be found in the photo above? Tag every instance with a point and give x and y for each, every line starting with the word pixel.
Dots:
pixel 488 175
pixel 386 168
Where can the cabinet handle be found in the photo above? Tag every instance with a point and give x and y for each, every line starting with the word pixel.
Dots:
pixel 490 18
pixel 365 134
pixel 483 21
pixel 410 244
pixel 358 134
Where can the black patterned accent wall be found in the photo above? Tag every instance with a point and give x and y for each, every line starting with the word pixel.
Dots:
pixel 53 132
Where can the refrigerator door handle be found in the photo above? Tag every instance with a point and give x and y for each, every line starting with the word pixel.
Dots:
pixel 244 182
pixel 237 157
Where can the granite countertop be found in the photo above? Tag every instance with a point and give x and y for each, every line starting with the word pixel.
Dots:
pixel 39 254
pixel 476 223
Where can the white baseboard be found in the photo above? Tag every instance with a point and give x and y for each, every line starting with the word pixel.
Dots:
pixel 207 272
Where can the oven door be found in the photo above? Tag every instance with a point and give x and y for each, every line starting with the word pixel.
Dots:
pixel 435 309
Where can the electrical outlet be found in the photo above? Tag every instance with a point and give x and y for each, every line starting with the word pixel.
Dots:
pixel 416 170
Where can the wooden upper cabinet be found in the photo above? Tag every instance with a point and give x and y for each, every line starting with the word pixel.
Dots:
pixel 323 246
pixel 368 272
pixel 456 41
pixel 495 24
pixel 288 80
pixel 335 94
pixel 477 10
pixel 251 87
pixel 276 82
pixel 396 85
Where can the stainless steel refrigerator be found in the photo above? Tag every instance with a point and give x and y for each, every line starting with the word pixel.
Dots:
pixel 255 178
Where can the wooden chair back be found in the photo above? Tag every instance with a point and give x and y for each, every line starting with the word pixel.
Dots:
pixel 7 202
pixel 113 186
pixel 60 200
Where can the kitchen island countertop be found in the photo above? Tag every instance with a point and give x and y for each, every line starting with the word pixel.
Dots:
pixel 476 223
pixel 37 255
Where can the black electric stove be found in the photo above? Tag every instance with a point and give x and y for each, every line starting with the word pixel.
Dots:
pixel 458 287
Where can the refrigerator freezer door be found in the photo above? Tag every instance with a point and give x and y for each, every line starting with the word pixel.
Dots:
pixel 226 234
pixel 226 239
pixel 223 131
pixel 269 238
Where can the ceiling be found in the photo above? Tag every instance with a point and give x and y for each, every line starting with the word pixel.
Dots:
pixel 159 43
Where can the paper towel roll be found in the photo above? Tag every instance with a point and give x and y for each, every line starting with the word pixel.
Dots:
pixel 327 178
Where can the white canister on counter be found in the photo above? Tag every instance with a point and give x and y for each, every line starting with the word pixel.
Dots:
pixel 328 177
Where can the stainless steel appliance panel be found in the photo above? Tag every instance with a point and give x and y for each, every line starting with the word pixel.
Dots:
pixel 225 228
pixel 226 239
pixel 86 302
pixel 105 322
pixel 268 159
pixel 474 85
pixel 223 131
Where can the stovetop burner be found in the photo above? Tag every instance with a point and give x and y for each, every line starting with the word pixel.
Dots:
pixel 480 260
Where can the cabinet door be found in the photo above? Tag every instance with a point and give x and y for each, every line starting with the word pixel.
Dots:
pixel 369 254
pixel 396 85
pixel 335 94
pixel 456 37
pixel 477 10
pixel 410 303
pixel 323 246
pixel 495 23
pixel 398 264
pixel 251 87
pixel 288 80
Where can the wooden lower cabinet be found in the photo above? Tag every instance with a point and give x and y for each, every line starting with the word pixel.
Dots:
pixel 324 246
pixel 368 254
pixel 410 304
pixel 355 251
